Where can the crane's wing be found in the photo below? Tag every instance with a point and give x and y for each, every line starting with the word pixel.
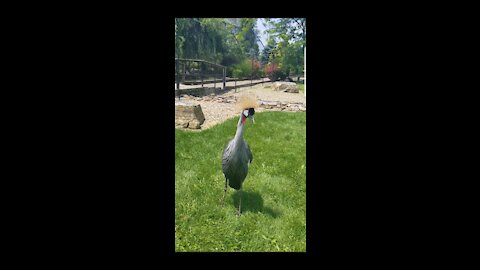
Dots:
pixel 249 153
pixel 227 151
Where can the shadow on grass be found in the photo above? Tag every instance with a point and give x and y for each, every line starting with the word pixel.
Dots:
pixel 253 202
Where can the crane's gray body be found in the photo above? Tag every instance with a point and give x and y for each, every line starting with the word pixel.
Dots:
pixel 236 158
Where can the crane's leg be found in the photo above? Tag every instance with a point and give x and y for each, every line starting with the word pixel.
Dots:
pixel 225 190
pixel 240 203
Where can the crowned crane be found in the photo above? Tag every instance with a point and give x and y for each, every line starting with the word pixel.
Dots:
pixel 237 155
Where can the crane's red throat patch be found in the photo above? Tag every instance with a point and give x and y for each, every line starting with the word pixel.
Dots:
pixel 243 119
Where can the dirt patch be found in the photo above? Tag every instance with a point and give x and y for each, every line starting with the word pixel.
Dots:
pixel 217 112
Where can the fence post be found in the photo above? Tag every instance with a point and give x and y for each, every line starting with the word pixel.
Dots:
pixel 251 75
pixel 201 72
pixel 184 71
pixel 177 71
pixel 224 79
pixel 214 79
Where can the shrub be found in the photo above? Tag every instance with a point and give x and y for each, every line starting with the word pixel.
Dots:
pixel 256 69
pixel 241 70
pixel 244 69
pixel 270 70
pixel 274 72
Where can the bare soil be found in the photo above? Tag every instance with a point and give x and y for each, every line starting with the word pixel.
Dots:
pixel 217 112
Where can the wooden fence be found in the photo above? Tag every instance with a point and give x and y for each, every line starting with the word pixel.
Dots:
pixel 195 71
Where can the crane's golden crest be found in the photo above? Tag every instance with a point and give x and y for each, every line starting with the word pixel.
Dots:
pixel 246 102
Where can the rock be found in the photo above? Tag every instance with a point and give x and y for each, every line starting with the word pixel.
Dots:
pixel 194 124
pixel 270 103
pixel 188 115
pixel 292 88
pixel 289 87
pixel 276 85
pixel 282 106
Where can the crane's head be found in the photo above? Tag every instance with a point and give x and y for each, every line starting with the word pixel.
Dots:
pixel 247 104
pixel 248 113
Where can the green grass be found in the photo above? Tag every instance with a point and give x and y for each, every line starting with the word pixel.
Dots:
pixel 301 87
pixel 274 192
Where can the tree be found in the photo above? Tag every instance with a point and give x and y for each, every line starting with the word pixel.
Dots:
pixel 199 38
pixel 225 41
pixel 290 34
pixel 246 35
pixel 267 52
pixel 289 29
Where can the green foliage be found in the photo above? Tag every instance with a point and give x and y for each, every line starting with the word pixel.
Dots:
pixel 288 29
pixel 226 41
pixel 248 36
pixel 202 38
pixel 231 42
pixel 274 193
pixel 301 87
pixel 242 70
pixel 293 59
pixel 287 42
pixel 247 69
pixel 266 56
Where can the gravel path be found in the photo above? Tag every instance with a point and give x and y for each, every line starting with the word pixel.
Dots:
pixel 217 112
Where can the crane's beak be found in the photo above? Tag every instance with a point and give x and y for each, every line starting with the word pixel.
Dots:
pixel 253 120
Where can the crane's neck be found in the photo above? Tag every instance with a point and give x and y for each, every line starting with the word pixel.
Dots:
pixel 240 126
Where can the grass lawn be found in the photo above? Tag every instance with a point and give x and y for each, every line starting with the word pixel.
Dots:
pixel 274 192
pixel 301 87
